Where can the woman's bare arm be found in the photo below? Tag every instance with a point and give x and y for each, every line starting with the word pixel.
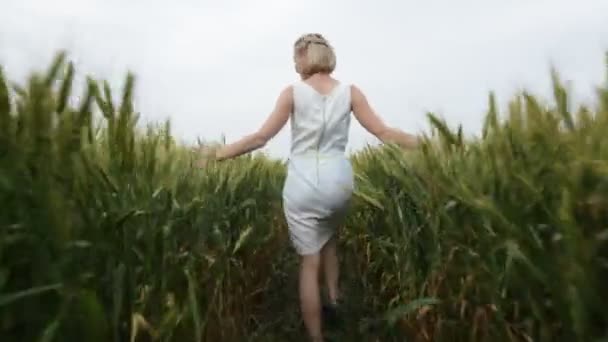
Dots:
pixel 374 124
pixel 274 123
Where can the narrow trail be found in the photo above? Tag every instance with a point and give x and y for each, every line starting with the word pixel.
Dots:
pixel 282 321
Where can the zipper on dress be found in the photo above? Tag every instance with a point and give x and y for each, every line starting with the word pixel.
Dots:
pixel 321 135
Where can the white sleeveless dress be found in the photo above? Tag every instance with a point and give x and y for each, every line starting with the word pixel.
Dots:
pixel 320 180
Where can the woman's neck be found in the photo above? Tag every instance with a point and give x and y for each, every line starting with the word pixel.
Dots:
pixel 315 75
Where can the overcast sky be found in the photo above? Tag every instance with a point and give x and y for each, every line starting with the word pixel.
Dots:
pixel 216 67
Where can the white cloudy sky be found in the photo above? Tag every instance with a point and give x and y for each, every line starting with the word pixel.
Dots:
pixel 216 67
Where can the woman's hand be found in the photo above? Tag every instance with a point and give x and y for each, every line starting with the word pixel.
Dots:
pixel 205 155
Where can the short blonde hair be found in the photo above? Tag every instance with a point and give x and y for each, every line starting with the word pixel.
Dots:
pixel 319 54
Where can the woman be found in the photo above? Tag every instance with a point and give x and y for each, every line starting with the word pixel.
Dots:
pixel 319 181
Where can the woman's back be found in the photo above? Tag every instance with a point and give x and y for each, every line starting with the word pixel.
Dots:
pixel 319 180
pixel 320 120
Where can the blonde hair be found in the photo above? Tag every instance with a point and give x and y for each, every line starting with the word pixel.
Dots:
pixel 319 54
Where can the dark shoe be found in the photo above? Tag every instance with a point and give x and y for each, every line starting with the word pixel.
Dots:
pixel 332 313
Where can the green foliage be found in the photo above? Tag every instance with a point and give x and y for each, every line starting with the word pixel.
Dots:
pixel 108 233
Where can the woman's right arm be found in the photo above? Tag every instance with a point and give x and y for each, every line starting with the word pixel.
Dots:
pixel 374 124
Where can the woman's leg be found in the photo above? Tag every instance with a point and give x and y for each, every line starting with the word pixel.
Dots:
pixel 331 269
pixel 310 298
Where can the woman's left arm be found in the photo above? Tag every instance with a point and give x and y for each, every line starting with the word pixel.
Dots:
pixel 274 123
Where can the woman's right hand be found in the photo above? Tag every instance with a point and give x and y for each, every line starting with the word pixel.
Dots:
pixel 205 154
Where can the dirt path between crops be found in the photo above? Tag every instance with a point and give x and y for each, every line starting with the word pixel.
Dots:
pixel 281 320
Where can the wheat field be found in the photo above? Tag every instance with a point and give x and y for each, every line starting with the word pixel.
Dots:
pixel 107 232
